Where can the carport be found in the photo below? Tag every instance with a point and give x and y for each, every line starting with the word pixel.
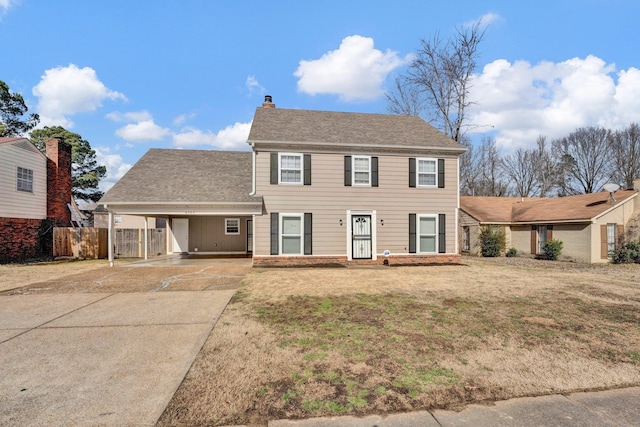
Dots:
pixel 205 196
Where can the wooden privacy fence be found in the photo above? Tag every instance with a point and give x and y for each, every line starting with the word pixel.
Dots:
pixel 94 242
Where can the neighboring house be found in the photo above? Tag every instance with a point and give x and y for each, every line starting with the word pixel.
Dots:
pixel 590 226
pixel 35 195
pixel 319 188
pixel 101 220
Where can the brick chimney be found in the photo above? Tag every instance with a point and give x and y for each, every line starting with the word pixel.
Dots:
pixel 268 102
pixel 58 182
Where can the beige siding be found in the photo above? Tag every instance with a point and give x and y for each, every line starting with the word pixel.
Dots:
pixel 20 204
pixel 576 241
pixel 521 239
pixel 329 200
pixel 474 229
pixel 620 215
pixel 207 234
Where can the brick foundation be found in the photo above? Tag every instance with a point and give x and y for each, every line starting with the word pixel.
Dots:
pixel 20 239
pixel 341 261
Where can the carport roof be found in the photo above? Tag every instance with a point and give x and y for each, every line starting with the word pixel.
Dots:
pixel 169 176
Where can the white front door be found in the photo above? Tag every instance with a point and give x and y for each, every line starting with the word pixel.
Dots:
pixel 180 229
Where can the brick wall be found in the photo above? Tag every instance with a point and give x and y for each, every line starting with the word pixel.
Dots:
pixel 20 239
pixel 302 261
pixel 59 183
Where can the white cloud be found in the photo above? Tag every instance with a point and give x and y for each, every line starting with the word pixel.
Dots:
pixel 253 86
pixel 182 118
pixel 355 71
pixel 233 137
pixel 65 91
pixel 521 101
pixel 142 130
pixel 6 4
pixel 486 19
pixel 116 167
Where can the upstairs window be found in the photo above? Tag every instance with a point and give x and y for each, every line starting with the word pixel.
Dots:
pixel 290 168
pixel 25 180
pixel 427 172
pixel 361 170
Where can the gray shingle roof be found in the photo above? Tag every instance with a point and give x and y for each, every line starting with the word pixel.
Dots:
pixel 196 176
pixel 348 129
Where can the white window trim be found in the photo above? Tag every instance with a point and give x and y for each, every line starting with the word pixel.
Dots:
pixel 542 242
pixel 281 234
pixel 418 173
pixel 226 226
pixel 419 233
pixel 611 245
pixel 301 156
pixel 353 171
pixel 23 180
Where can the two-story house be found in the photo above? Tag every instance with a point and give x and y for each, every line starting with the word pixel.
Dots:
pixel 35 194
pixel 318 188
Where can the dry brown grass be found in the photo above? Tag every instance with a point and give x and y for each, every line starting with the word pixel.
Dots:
pixel 310 342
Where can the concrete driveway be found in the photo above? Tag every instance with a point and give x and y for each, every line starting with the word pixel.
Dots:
pixel 74 355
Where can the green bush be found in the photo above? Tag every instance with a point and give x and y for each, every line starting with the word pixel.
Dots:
pixel 512 252
pixel 629 253
pixel 492 241
pixel 552 249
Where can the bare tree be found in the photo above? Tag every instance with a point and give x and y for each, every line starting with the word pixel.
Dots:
pixel 584 157
pixel 480 170
pixel 546 168
pixel 469 177
pixel 438 80
pixel 405 100
pixel 521 169
pixel 625 152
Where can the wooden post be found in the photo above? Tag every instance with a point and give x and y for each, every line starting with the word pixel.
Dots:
pixel 146 237
pixel 110 239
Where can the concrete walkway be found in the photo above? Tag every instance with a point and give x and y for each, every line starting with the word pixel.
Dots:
pixel 606 408
pixel 101 358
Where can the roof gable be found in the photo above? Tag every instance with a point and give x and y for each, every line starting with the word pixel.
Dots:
pixel 22 143
pixel 307 127
pixel 582 207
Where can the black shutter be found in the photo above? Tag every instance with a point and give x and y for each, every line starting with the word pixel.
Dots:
pixel 440 173
pixel 442 229
pixel 274 168
pixel 412 233
pixel 307 169
pixel 412 172
pixel 307 233
pixel 347 171
pixel 374 171
pixel 275 218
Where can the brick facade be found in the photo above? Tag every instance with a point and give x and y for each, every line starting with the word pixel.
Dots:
pixel 319 261
pixel 21 239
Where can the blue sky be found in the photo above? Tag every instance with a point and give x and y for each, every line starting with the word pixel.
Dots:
pixel 137 74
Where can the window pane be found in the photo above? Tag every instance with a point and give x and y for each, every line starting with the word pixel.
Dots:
pixel 290 245
pixel 427 244
pixel 291 225
pixel 290 162
pixel 361 164
pixel 361 177
pixel 424 179
pixel 427 166
pixel 611 237
pixel 290 176
pixel 427 226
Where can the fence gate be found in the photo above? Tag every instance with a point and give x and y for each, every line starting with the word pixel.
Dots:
pixel 361 236
pixel 89 242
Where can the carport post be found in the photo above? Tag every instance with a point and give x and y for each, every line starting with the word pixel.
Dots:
pixel 110 238
pixel 146 229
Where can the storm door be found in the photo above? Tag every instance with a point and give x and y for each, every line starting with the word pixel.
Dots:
pixel 361 236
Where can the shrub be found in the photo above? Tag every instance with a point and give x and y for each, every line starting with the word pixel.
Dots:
pixel 552 249
pixel 512 252
pixel 492 241
pixel 627 254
